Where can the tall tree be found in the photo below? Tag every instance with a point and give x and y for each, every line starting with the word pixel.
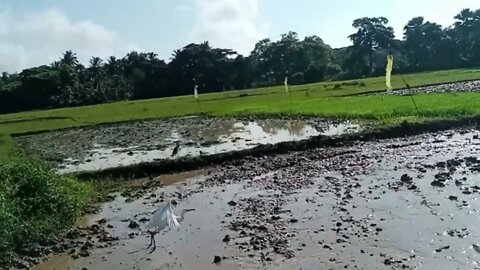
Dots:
pixel 95 68
pixel 69 59
pixel 467 32
pixel 423 41
pixel 290 55
pixel 372 34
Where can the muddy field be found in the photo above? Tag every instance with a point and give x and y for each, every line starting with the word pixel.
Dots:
pixel 466 86
pixel 108 146
pixel 410 203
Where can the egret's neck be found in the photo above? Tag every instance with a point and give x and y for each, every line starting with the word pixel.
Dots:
pixel 182 213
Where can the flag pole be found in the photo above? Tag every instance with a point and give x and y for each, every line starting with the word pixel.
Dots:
pixel 287 90
pixel 388 75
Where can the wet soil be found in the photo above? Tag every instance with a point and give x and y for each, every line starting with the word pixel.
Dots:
pixel 118 145
pixel 404 203
pixel 465 86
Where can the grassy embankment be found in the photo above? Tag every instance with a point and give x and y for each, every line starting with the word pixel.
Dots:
pixel 33 199
pixel 313 99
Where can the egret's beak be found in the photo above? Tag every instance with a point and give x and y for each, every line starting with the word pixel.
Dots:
pixel 188 210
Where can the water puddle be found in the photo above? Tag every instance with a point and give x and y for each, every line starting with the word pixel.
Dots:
pixel 199 230
pixel 98 148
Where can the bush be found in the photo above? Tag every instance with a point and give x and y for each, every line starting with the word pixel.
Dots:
pixel 332 71
pixel 36 202
pixel 351 83
pixel 337 86
pixel 362 84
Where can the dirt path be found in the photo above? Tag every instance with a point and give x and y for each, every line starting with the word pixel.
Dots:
pixel 390 204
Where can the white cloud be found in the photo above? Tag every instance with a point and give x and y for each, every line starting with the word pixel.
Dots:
pixel 32 39
pixel 234 24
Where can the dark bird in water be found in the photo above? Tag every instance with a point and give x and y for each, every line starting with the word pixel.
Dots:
pixel 176 149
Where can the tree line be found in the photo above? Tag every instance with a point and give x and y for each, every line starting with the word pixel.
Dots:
pixel 66 82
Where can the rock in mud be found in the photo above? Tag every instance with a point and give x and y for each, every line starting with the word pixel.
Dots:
pixel 144 219
pixel 437 183
pixel 102 221
pixel 217 259
pixel 453 198
pixel 406 178
pixel 133 224
pixel 84 253
pixel 226 239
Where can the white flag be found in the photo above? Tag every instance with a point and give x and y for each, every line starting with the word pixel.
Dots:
pixel 195 92
pixel 389 69
pixel 286 84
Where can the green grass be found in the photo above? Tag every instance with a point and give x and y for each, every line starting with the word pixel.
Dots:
pixel 314 99
pixel 6 146
pixel 36 202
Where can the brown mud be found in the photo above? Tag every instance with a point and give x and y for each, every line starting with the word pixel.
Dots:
pixel 409 202
pixel 106 147
pixel 148 169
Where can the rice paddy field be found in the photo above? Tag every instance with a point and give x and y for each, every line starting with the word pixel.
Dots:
pixel 329 99
pixel 306 189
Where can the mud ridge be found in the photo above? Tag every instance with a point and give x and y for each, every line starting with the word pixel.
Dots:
pixel 149 169
pixel 405 88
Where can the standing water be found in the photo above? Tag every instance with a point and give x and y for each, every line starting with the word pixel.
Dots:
pixel 102 147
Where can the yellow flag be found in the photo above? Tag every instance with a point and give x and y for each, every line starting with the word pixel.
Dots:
pixel 389 71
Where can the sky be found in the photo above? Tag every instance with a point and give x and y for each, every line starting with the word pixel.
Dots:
pixel 36 32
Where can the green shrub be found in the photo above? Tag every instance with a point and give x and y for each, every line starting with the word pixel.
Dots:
pixel 35 202
pixel 337 86
pixel 350 83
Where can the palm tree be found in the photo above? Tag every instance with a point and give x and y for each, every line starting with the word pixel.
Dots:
pixel 95 63
pixel 112 66
pixel 95 67
pixel 69 59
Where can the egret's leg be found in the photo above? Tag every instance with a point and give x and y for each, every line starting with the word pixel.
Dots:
pixel 154 244
pixel 151 241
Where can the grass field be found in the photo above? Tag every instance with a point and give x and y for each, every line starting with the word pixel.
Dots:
pixel 320 99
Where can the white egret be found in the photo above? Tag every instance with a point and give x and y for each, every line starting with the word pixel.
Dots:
pixel 161 218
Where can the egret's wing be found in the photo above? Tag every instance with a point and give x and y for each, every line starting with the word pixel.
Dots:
pixel 163 217
pixel 173 222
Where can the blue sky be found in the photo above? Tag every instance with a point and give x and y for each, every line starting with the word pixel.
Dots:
pixel 37 31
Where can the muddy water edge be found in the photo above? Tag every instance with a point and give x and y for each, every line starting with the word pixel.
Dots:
pixel 102 147
pixel 404 203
